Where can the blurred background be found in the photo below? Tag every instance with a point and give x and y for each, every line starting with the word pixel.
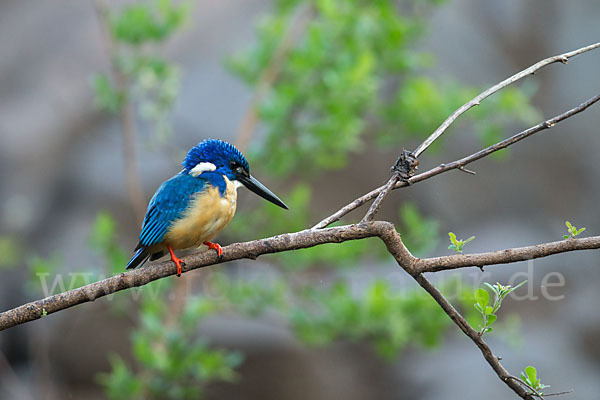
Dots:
pixel 101 100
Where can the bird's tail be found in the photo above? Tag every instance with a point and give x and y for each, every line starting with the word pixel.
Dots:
pixel 139 257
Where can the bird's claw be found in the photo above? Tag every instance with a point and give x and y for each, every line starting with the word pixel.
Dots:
pixel 215 246
pixel 178 261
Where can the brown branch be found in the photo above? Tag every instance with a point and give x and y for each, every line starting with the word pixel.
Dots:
pixel 458 164
pixel 387 188
pixel 464 326
pixel 141 276
pixel 506 256
pixel 563 58
pixel 411 265
pixel 276 244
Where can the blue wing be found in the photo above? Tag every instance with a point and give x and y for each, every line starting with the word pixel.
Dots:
pixel 168 204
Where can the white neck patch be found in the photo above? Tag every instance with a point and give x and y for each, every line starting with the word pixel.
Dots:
pixel 237 184
pixel 202 167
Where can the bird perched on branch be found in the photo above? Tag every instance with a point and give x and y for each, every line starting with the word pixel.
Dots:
pixel 192 207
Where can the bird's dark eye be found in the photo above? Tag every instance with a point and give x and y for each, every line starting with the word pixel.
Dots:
pixel 237 167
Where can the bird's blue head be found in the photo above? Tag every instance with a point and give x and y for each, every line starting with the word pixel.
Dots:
pixel 214 157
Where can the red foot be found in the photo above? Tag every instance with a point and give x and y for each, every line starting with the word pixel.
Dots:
pixel 179 262
pixel 215 246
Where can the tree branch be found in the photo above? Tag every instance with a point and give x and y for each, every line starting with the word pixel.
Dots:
pixel 563 58
pixel 276 244
pixel 458 164
pixel 141 276
pixel 506 256
pixel 461 322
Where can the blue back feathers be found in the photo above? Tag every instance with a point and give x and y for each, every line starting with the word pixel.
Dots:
pixel 167 205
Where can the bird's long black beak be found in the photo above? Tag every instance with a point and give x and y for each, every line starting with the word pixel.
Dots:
pixel 254 185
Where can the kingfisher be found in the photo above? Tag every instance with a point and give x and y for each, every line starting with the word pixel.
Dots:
pixel 193 206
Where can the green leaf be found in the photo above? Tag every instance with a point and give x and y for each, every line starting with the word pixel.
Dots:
pixel 531 375
pixel 491 318
pixel 107 97
pixel 518 286
pixel 452 237
pixel 482 297
pixel 469 239
pixel 568 224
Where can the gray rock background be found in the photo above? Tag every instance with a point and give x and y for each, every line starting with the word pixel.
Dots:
pixel 60 163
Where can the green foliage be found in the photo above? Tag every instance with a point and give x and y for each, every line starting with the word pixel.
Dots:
pixel 457 245
pixel 353 69
pixel 176 362
pixel 572 231
pixel 10 251
pixel 156 21
pixel 383 316
pixel 39 268
pixel 530 377
pixel 419 234
pixel 107 97
pixel 103 239
pixel 488 310
pixel 141 75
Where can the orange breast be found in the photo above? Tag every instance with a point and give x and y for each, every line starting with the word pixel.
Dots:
pixel 208 214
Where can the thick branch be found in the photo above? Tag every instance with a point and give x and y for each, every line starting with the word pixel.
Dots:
pixel 141 276
pixel 563 58
pixel 506 256
pixel 458 164
pixel 291 241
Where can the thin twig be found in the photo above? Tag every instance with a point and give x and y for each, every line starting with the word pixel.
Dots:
pixel 375 206
pixel 464 326
pixel 563 58
pixel 458 163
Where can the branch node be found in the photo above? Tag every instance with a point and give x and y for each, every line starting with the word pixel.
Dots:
pixel 549 124
pixel 564 59
pixel 406 165
pixel 481 267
